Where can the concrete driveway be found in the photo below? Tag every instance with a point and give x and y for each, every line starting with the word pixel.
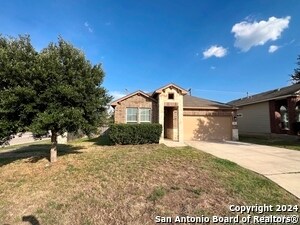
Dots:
pixel 279 165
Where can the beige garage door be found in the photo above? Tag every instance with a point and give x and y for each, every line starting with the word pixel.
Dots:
pixel 207 128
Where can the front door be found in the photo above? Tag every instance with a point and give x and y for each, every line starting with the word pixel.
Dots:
pixel 171 123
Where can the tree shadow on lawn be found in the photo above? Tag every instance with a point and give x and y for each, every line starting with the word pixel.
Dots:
pixel 102 140
pixel 35 152
pixel 31 219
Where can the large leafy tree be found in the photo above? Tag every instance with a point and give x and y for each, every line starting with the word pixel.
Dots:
pixel 296 75
pixel 65 93
pixel 18 61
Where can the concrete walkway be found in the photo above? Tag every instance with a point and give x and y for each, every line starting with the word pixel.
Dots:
pixel 279 165
pixel 171 143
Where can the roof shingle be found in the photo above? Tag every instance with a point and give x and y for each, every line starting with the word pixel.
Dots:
pixel 195 102
pixel 268 95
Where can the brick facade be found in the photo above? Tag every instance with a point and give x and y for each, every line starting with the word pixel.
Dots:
pixel 275 116
pixel 167 108
pixel 292 103
pixel 138 101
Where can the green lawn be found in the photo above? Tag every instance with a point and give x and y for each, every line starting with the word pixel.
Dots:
pixel 96 184
pixel 276 142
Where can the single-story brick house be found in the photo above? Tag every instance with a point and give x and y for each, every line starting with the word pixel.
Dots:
pixel 184 117
pixel 276 111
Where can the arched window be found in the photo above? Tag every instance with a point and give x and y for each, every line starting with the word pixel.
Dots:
pixel 284 117
pixel 297 112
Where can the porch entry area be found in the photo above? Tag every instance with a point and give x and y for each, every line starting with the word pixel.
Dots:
pixel 171 123
pixel 285 116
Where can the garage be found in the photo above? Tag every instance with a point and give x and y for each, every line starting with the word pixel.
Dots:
pixel 207 127
pixel 183 117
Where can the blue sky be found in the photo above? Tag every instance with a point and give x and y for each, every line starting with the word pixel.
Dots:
pixel 219 49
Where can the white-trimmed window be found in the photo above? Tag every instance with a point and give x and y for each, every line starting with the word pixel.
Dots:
pixel 145 115
pixel 131 115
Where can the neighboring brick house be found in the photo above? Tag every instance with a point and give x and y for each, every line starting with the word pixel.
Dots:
pixel 276 111
pixel 183 117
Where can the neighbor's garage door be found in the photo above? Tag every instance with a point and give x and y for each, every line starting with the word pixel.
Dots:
pixel 207 127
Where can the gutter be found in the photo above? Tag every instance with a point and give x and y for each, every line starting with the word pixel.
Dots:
pixel 268 99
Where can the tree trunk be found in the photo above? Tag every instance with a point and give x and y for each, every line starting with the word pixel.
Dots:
pixel 53 151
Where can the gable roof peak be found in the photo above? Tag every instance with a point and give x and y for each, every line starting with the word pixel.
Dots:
pixel 114 103
pixel 159 90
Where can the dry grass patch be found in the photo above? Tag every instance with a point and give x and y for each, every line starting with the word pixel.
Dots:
pixel 128 185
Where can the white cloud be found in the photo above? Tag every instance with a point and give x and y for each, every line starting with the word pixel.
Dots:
pixel 212 67
pixel 116 94
pixel 273 48
pixel 214 50
pixel 249 34
pixel 87 25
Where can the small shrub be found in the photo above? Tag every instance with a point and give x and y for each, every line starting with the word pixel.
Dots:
pixel 157 194
pixel 135 133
